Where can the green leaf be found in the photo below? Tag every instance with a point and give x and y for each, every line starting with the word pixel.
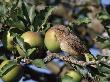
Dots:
pixel 108 26
pixel 39 63
pixel 99 57
pixel 32 13
pixel 24 21
pixel 2 54
pixel 19 26
pixel 104 79
pixel 83 20
pixel 30 51
pixel 25 11
pixel 105 41
pixel 101 39
pixel 106 44
pixel 2 10
pixel 2 57
pixel 50 10
pixel 104 16
pixel 47 27
pixel 103 68
pixel 21 43
pixel 41 18
pixel 13 31
pixel 15 3
pixel 0 73
pixel 82 70
pixel 38 19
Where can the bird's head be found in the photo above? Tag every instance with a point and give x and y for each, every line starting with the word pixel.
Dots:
pixel 61 30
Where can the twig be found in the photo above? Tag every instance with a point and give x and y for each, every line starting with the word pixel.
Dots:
pixel 72 60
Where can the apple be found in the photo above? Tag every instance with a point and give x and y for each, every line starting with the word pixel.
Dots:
pixel 75 75
pixel 8 41
pixel 15 73
pixel 34 39
pixel 51 41
pixel 66 78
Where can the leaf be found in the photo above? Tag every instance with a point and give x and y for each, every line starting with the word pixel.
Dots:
pixel 99 57
pixel 104 17
pixel 39 63
pixel 104 79
pixel 3 57
pixel 106 44
pixel 82 70
pixel 31 27
pixel 21 43
pixel 108 26
pixel 93 71
pixel 2 53
pixel 25 11
pixel 25 22
pixel 30 51
pixel 88 71
pixel 47 26
pixel 13 31
pixel 42 17
pixel 38 19
pixel 14 4
pixel 0 73
pixel 104 68
pixel 101 39
pixel 105 41
pixel 2 10
pixel 83 20
pixel 50 10
pixel 32 13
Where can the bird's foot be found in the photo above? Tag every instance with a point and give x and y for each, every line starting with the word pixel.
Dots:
pixel 49 57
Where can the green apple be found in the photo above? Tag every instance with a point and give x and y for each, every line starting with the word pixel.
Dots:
pixel 51 41
pixel 75 75
pixel 34 39
pixel 15 73
pixel 66 78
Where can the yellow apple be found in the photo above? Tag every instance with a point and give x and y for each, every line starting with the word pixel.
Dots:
pixel 15 73
pixel 75 75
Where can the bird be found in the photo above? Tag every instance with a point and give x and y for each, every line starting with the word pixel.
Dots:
pixel 69 42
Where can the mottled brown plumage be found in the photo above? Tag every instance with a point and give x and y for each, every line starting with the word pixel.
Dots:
pixel 69 42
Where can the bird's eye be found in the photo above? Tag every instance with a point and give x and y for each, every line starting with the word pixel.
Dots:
pixel 61 30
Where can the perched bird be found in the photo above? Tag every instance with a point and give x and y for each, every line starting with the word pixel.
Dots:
pixel 66 40
pixel 69 42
